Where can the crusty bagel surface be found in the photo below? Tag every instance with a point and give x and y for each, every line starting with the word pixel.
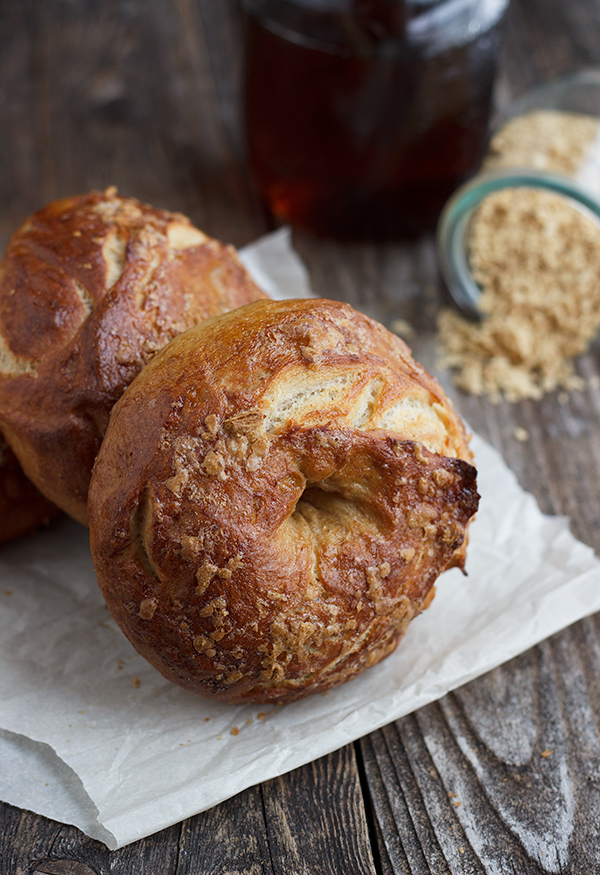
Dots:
pixel 275 496
pixel 90 288
pixel 22 507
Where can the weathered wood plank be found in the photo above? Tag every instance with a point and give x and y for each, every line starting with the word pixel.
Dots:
pixel 229 838
pixel 504 774
pixel 315 818
pixel 25 837
pixel 199 117
pixel 30 843
pixel 142 95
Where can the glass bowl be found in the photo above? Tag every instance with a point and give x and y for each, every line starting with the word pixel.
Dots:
pixel 538 145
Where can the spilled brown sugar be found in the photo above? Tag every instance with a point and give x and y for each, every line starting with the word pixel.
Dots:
pixel 536 258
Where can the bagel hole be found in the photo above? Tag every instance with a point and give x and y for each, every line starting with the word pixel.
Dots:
pixel 322 503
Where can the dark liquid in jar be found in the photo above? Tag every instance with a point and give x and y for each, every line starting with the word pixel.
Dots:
pixel 361 139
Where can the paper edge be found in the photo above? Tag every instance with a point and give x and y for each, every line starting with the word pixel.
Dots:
pixel 88 820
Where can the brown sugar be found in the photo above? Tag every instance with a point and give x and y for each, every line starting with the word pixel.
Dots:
pixel 544 140
pixel 536 258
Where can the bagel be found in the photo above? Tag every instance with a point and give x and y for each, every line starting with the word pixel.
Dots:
pixel 22 507
pixel 275 496
pixel 90 288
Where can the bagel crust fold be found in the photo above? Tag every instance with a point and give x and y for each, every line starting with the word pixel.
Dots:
pixel 276 494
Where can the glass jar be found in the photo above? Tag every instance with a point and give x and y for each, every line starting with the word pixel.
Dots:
pixel 547 141
pixel 362 116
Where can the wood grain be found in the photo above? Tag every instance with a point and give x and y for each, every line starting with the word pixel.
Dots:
pixel 316 820
pixel 30 843
pixel 229 838
pixel 501 776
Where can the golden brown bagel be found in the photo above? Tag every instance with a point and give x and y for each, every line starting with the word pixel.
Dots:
pixel 275 496
pixel 90 288
pixel 22 507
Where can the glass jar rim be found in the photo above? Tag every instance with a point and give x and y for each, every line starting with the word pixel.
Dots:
pixel 559 94
pixel 454 223
pixel 440 25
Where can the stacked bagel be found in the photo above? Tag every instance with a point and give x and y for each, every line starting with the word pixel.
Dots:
pixel 272 488
pixel 90 288
pixel 23 508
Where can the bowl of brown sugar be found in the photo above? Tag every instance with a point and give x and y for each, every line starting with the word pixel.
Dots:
pixel 519 249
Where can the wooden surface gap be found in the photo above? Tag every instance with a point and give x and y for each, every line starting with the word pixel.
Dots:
pixel 370 818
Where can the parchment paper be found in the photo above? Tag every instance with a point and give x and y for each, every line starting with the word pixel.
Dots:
pixel 91 735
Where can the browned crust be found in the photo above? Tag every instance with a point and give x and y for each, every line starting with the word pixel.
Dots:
pixel 90 288
pixel 22 507
pixel 257 534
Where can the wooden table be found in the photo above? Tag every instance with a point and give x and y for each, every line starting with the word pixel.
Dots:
pixel 144 94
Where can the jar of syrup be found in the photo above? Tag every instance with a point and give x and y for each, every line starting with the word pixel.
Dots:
pixel 362 116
